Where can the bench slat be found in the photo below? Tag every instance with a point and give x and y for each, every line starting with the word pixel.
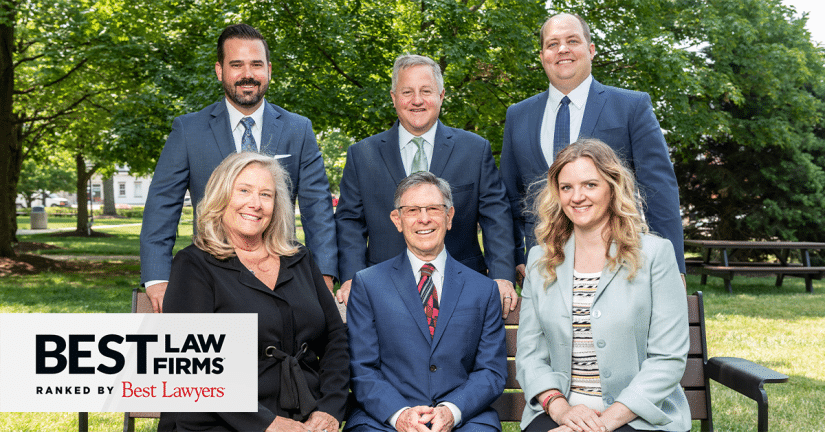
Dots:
pixel 510 406
pixel 696 400
pixel 694 374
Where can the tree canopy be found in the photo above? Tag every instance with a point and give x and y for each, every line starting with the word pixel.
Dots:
pixel 736 84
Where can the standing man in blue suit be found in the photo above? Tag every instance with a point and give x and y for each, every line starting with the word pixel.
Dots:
pixel 242 121
pixel 420 142
pixel 578 106
pixel 426 338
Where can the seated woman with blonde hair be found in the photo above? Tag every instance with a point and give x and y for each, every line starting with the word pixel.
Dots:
pixel 245 259
pixel 603 335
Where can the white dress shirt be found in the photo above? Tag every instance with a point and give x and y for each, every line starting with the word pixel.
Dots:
pixel 578 99
pixel 439 263
pixel 408 148
pixel 238 129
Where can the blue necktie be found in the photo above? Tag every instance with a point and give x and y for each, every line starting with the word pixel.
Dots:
pixel 248 141
pixel 561 137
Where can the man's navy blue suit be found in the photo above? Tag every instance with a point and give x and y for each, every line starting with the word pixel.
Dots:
pixel 198 143
pixel 623 119
pixel 395 363
pixel 367 236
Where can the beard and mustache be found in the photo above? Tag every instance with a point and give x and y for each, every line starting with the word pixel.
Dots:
pixel 244 98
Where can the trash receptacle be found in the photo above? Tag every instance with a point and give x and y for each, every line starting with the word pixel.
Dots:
pixel 39 218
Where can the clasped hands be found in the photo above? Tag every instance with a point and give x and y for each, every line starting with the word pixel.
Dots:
pixel 577 418
pixel 318 422
pixel 415 419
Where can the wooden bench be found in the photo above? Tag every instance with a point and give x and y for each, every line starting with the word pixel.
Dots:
pixel 743 376
pixel 738 374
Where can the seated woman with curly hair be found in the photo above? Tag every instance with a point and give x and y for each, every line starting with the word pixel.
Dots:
pixel 603 335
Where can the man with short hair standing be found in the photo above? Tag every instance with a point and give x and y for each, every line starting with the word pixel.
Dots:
pixel 419 141
pixel 577 106
pixel 427 349
pixel 242 121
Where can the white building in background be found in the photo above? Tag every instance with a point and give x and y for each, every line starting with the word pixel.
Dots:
pixel 129 190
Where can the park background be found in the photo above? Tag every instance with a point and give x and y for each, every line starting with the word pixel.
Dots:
pixel 738 86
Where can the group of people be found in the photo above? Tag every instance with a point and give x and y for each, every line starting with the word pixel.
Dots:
pixel 603 334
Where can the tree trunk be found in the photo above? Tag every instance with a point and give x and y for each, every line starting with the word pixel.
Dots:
pixel 109 197
pixel 9 144
pixel 83 227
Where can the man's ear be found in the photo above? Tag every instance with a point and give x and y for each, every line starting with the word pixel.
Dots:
pixel 396 219
pixel 218 70
pixel 450 214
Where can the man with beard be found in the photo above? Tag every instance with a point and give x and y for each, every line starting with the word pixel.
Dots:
pixel 243 121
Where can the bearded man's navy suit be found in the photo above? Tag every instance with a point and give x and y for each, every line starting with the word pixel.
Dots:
pixel 625 121
pixel 367 236
pixel 395 363
pixel 198 143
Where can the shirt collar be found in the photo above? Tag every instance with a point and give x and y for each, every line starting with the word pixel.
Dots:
pixel 439 262
pixel 578 97
pixel 235 116
pixel 404 136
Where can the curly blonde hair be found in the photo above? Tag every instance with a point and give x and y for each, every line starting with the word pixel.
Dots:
pixel 279 237
pixel 625 223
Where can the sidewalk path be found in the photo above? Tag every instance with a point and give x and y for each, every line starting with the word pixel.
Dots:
pixel 54 230
pixel 92 257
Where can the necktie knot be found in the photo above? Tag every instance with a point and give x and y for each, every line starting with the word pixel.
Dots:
pixel 427 269
pixel 248 141
pixel 565 101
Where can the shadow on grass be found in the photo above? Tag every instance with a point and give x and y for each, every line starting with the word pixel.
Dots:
pixel 100 287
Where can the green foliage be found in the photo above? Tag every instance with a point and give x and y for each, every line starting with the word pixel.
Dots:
pixel 334 146
pixel 332 59
pixel 757 172
pixel 52 173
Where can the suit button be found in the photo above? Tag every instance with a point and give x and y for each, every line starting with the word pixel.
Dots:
pixel 601 343
pixel 609 400
pixel 606 373
pixel 433 368
pixel 596 314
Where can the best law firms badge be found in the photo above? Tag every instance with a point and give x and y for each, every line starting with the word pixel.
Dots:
pixel 128 362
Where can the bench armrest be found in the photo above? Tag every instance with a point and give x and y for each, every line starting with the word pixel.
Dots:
pixel 747 378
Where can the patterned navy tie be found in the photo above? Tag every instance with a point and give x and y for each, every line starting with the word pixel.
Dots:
pixel 561 137
pixel 429 296
pixel 248 141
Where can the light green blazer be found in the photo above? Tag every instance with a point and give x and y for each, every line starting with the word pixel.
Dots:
pixel 640 331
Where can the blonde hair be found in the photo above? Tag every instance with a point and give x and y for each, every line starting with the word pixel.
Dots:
pixel 279 237
pixel 625 222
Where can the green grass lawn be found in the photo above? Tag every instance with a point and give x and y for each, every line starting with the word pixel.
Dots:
pixel 782 328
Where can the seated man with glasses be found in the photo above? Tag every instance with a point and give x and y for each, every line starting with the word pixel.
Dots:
pixel 426 337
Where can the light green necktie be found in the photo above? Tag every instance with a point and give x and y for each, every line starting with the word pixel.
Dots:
pixel 419 162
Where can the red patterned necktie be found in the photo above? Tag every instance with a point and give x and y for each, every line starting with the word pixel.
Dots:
pixel 429 295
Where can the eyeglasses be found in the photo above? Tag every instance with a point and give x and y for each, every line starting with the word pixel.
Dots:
pixel 434 210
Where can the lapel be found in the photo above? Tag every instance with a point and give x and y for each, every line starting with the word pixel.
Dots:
pixel 391 153
pixel 403 280
pixel 535 114
pixel 442 148
pixel 271 131
pixel 447 303
pixel 247 279
pixel 607 275
pixel 219 124
pixel 596 99
pixel 564 275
